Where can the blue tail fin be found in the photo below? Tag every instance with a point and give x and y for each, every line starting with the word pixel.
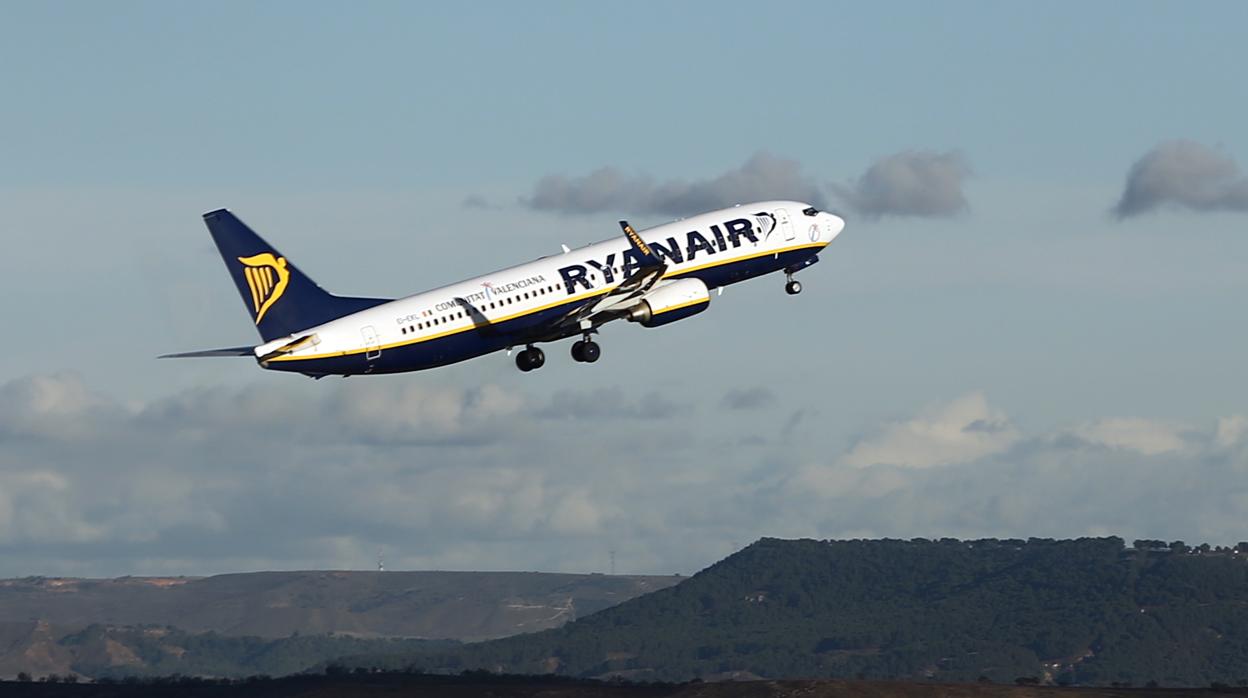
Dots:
pixel 280 298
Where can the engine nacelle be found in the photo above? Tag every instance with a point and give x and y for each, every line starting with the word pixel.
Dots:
pixel 671 302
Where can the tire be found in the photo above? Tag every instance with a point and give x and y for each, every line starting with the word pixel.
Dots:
pixel 590 352
pixel 537 358
pixel 793 288
pixel 524 362
pixel 578 351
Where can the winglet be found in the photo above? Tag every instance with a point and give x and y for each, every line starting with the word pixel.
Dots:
pixel 643 250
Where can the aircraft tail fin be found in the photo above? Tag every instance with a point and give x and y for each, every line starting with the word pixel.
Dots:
pixel 280 299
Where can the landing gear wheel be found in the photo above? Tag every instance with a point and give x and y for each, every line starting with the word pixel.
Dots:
pixel 793 288
pixel 530 359
pixel 586 351
pixel 590 352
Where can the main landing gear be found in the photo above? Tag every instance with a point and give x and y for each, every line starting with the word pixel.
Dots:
pixel 793 287
pixel 586 350
pixel 530 359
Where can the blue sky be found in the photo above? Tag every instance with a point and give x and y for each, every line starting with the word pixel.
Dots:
pixel 351 136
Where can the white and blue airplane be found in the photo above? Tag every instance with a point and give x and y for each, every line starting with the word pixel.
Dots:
pixel 652 278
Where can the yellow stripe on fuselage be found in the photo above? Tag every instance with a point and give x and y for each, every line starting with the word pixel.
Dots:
pixel 564 301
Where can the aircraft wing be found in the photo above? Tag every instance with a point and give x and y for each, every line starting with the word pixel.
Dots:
pixel 598 310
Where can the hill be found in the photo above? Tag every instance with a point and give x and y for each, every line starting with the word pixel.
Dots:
pixel 443 605
pixel 1087 611
pixel 278 622
pixel 98 651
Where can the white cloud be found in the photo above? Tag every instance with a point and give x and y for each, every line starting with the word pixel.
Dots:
pixel 411 413
pixel 1132 477
pixel 963 430
pixel 1231 430
pixel 1145 436
pixel 280 475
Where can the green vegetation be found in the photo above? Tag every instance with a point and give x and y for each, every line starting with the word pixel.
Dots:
pixel 1087 611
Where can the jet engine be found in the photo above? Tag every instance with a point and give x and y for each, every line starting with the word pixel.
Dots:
pixel 670 302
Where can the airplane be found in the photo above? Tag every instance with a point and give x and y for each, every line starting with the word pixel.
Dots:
pixel 653 277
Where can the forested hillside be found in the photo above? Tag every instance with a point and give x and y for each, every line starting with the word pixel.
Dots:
pixel 1087 611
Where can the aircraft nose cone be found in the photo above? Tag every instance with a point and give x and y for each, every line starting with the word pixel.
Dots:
pixel 834 225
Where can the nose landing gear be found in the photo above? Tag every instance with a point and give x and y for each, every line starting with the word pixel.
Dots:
pixel 530 359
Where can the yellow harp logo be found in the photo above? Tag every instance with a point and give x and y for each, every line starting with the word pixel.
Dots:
pixel 267 278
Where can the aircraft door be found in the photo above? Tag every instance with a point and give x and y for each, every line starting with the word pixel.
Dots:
pixel 786 225
pixel 372 343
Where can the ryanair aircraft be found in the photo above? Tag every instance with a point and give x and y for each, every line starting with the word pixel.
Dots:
pixel 653 277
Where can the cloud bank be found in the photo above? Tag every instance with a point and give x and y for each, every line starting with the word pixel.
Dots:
pixel 277 477
pixel 959 431
pixel 763 176
pixel 1186 175
pixel 910 183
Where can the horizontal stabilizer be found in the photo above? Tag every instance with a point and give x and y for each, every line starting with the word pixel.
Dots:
pixel 207 353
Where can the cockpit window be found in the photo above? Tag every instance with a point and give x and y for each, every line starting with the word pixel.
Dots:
pixel 812 211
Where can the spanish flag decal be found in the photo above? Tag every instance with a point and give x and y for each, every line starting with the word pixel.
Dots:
pixel 267 278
